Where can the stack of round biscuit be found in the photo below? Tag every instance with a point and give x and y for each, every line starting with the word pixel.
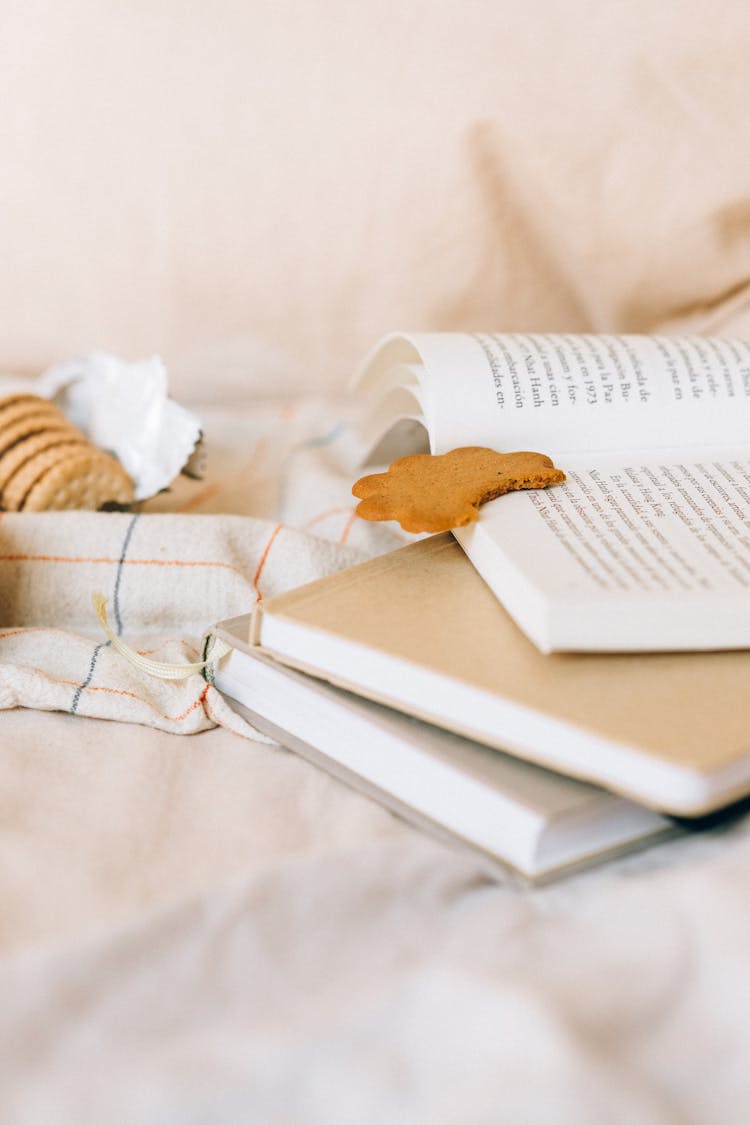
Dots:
pixel 46 463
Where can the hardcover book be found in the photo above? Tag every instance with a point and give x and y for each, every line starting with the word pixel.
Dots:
pixel 511 813
pixel 419 631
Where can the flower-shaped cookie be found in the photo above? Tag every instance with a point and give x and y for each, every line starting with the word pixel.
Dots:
pixel 428 492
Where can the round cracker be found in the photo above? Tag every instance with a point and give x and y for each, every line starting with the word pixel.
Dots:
pixel 23 451
pixel 81 479
pixel 15 409
pixel 11 400
pixel 34 469
pixel 16 434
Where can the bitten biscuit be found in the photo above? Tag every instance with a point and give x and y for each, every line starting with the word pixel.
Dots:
pixel 428 492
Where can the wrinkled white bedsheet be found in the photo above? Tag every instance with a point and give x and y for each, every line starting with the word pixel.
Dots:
pixel 205 928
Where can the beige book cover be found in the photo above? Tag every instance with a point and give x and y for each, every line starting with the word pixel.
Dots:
pixel 419 629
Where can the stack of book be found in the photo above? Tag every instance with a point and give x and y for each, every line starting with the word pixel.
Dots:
pixel 566 678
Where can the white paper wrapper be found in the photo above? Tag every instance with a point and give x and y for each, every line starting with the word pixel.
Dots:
pixel 123 408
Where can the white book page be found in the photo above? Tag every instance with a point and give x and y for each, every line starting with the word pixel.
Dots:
pixel 624 555
pixel 562 394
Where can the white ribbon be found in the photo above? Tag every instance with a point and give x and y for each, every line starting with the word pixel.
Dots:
pixel 161 669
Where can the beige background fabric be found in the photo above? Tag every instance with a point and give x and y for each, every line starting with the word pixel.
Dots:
pixel 259 190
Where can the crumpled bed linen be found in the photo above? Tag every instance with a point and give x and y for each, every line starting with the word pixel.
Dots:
pixel 209 929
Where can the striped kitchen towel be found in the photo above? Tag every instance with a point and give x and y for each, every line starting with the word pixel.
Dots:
pixel 274 510
pixel 167 579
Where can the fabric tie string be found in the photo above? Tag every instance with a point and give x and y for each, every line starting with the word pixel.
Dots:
pixel 158 668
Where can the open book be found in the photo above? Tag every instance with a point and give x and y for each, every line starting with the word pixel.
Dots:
pixel 647 544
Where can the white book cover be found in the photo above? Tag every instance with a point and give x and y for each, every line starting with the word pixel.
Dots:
pixel 521 816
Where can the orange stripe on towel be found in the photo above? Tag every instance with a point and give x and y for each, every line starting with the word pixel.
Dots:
pixel 263 559
pixel 55 558
pixel 324 516
pixel 5 634
pixel 169 718
pixel 117 562
pixel 349 525
pixel 122 691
